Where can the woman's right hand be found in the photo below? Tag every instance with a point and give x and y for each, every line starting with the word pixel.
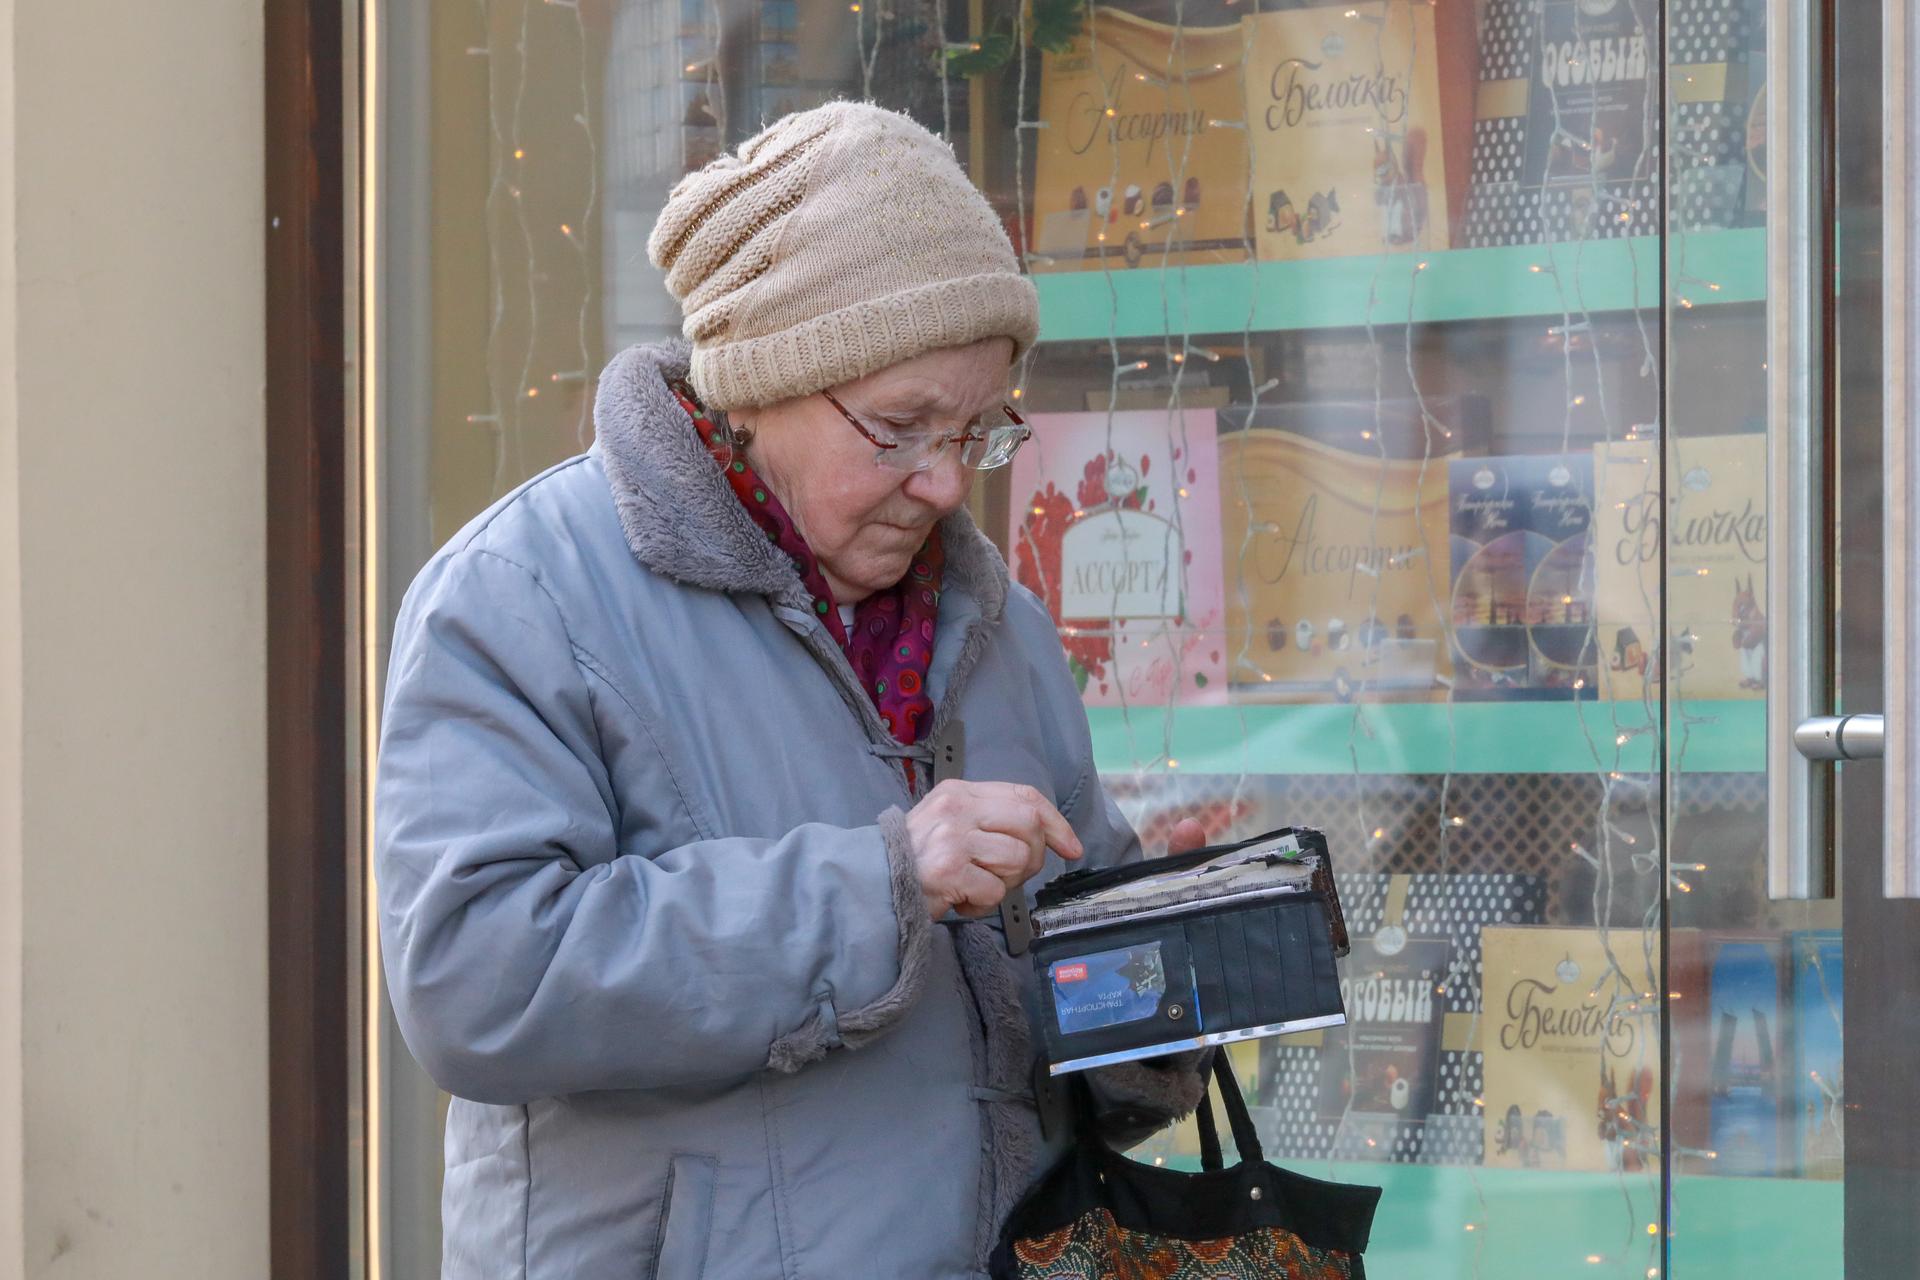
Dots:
pixel 973 841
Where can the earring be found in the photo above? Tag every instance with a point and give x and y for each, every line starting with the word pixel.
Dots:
pixel 739 434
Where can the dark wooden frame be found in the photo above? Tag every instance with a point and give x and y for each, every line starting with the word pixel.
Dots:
pixel 310 691
pixel 1882 935
pixel 308 641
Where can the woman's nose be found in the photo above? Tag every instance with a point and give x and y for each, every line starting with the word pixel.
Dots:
pixel 944 485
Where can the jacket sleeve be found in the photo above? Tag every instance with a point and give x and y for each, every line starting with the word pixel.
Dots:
pixel 527 954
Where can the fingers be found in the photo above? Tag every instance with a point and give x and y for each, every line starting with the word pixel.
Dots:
pixel 1012 861
pixel 1022 812
pixel 973 841
pixel 1060 835
pixel 1186 836
pixel 981 891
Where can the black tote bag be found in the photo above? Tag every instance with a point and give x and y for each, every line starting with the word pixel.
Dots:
pixel 1100 1216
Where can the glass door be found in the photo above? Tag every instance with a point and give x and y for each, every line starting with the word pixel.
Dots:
pixel 1433 412
pixel 1409 430
pixel 1461 357
pixel 1826 911
pixel 1755 971
pixel 1793 1134
pixel 1878 546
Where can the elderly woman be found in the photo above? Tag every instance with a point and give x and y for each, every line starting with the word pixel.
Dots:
pixel 672 901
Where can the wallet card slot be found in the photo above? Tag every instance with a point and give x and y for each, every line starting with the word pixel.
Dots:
pixel 1293 927
pixel 1234 959
pixel 1268 962
pixel 1110 990
pixel 1209 976
pixel 1326 978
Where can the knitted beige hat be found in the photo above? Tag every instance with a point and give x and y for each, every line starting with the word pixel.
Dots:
pixel 837 242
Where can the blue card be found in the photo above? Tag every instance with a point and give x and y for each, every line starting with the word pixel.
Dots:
pixel 1108 988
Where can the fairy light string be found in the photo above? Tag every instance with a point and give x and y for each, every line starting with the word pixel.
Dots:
pixel 1623 869
pixel 1625 995
pixel 1624 991
pixel 524 389
pixel 1177 340
pixel 1614 858
pixel 526 286
pixel 1176 451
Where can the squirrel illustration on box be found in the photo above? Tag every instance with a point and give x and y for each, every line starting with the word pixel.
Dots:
pixel 1750 635
pixel 1399 186
pixel 1623 1118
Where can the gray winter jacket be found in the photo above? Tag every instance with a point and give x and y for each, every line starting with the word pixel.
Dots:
pixel 647 898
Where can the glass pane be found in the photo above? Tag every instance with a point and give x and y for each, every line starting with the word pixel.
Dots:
pixel 1378 434
pixel 525 151
pixel 1356 311
pixel 1756 991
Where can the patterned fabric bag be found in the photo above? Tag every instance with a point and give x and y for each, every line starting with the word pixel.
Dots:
pixel 1100 1216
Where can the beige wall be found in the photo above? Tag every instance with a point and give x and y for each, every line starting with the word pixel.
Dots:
pixel 11 1201
pixel 132 824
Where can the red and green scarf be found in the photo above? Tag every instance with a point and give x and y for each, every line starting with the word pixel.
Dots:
pixel 891 641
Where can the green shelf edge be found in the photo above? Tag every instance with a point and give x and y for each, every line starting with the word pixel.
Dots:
pixel 1545 1223
pixel 1548 280
pixel 1424 737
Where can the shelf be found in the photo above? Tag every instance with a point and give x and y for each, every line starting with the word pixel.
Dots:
pixel 1587 1225
pixel 1423 737
pixel 1548 280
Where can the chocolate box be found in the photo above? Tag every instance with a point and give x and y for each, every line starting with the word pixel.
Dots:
pixel 1361 120
pixel 1337 512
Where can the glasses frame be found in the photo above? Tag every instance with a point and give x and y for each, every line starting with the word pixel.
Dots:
pixel 946 441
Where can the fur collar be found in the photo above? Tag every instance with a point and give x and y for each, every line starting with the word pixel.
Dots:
pixel 681 519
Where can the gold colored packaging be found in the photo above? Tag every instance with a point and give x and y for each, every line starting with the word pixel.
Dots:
pixel 1142 160
pixel 1361 120
pixel 1572 1051
pixel 1329 595
pixel 1715 533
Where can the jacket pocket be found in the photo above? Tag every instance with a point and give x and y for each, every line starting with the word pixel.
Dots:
pixel 686 1219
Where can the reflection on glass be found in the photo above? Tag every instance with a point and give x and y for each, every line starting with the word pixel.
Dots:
pixel 1351 497
pixel 1398 361
pixel 1754 984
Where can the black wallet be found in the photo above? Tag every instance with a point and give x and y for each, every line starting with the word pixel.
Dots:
pixel 1231 942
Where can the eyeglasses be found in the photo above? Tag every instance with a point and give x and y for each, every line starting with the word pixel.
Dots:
pixel 986 444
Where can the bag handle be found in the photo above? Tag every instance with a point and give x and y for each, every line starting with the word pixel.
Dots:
pixel 1209 1136
pixel 1245 1138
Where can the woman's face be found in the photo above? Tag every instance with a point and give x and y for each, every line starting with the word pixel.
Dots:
pixel 864 520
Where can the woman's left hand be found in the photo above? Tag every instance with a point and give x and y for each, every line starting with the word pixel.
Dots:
pixel 1187 836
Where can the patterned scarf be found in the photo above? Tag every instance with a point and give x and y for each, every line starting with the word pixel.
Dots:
pixel 891 641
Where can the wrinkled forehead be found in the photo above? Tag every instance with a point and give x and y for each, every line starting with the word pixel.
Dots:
pixel 957 384
pixel 930 401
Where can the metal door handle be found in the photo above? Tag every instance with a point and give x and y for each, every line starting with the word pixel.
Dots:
pixel 1799 809
pixel 1861 737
